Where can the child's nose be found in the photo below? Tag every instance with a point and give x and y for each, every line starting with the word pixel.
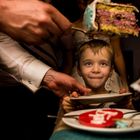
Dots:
pixel 96 68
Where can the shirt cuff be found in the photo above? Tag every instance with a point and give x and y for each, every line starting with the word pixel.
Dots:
pixel 33 74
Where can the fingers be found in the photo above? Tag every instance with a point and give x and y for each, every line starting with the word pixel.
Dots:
pixel 74 94
pixel 66 100
pixel 60 19
pixel 67 104
pixel 82 90
pixel 123 90
pixel 51 27
pixel 56 22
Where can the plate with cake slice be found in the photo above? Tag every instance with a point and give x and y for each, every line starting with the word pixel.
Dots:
pixel 111 18
pixel 104 120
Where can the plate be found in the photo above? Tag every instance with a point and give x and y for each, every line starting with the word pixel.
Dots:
pixel 74 123
pixel 100 98
pixel 136 85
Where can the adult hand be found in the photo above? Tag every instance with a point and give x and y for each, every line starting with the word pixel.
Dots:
pixel 62 84
pixel 31 21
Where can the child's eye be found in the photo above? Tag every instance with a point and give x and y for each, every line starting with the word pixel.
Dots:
pixel 104 64
pixel 88 64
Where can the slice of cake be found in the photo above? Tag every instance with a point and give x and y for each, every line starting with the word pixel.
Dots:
pixel 111 18
pixel 100 118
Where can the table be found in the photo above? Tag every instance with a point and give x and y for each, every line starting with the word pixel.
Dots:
pixel 75 134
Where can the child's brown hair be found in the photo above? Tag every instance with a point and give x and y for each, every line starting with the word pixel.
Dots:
pixel 95 45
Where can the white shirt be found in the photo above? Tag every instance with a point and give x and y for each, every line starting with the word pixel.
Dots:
pixel 19 63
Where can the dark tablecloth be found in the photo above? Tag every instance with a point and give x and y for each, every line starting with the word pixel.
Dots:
pixel 74 134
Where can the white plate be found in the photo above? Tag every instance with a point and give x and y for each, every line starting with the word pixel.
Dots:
pixel 100 98
pixel 136 85
pixel 72 122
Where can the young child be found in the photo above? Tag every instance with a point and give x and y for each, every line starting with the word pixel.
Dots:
pixel 95 66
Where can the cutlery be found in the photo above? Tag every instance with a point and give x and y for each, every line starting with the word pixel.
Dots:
pixel 71 116
pixel 134 113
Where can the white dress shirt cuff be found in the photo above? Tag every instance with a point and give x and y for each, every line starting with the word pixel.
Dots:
pixel 33 75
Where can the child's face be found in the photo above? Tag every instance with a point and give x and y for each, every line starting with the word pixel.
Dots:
pixel 95 68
